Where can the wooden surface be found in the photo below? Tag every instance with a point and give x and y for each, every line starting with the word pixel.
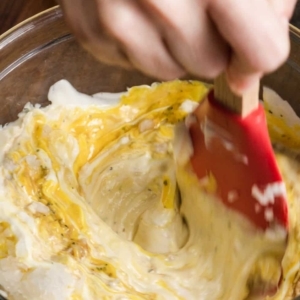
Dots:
pixel 13 12
pixel 296 17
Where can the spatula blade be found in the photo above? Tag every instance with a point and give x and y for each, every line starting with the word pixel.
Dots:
pixel 238 153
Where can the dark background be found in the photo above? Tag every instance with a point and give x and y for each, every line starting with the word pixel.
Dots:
pixel 296 18
pixel 13 12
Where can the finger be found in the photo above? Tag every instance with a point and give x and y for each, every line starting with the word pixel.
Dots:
pixel 84 22
pixel 106 50
pixel 284 8
pixel 240 81
pixel 190 35
pixel 139 38
pixel 260 41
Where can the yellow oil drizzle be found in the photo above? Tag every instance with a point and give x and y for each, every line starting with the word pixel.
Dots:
pixel 93 130
pixel 7 240
pixel 168 93
pixel 168 193
pixel 280 132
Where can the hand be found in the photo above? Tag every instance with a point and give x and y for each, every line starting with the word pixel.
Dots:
pixel 168 38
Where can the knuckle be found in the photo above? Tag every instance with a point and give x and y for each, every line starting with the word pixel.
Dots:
pixel 164 13
pixel 208 67
pixel 212 72
pixel 156 63
pixel 119 22
pixel 276 55
pixel 215 68
pixel 121 31
pixel 281 52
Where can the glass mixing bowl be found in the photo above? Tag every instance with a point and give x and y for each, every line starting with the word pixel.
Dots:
pixel 40 51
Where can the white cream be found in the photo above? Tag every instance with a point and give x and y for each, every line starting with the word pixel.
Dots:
pixel 159 246
pixel 188 106
pixel 270 192
pixel 63 93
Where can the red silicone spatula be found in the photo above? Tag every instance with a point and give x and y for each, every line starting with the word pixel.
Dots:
pixel 231 143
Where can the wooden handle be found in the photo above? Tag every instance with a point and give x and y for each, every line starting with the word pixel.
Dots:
pixel 242 105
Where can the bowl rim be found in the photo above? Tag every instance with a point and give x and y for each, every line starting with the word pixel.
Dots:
pixel 295 30
pixel 27 21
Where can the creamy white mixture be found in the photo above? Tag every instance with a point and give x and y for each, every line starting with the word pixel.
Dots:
pixel 90 206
